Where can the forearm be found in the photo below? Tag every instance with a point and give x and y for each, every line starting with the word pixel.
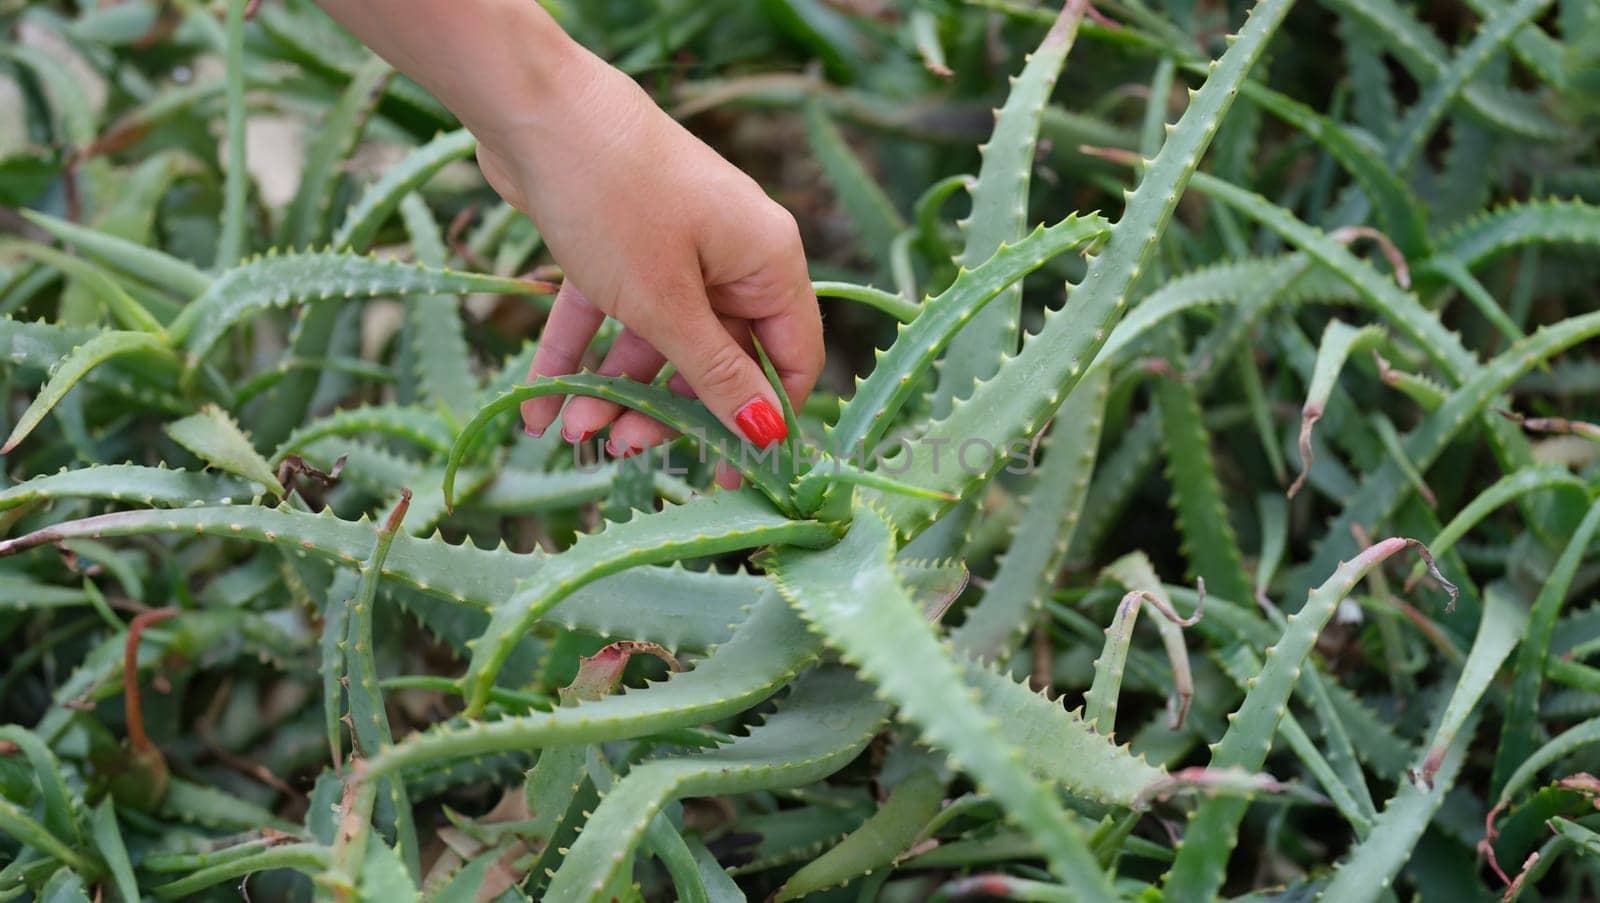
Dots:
pixel 499 65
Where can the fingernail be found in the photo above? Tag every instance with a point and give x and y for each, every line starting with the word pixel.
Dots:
pixel 761 422
pixel 531 432
pixel 578 439
pixel 617 450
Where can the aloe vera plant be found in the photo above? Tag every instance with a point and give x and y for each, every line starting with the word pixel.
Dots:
pixel 289 604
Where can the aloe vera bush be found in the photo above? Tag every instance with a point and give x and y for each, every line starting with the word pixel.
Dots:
pixel 1300 364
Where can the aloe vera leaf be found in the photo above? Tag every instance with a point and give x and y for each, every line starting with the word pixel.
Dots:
pixel 1484 303
pixel 898 371
pixel 73 118
pixel 1339 341
pixel 1504 490
pixel 108 841
pixel 518 491
pixel 1532 223
pixel 875 844
pixel 17 823
pixel 1402 308
pixel 1372 865
pixel 690 609
pixel 279 280
pixel 1441 93
pixel 1000 209
pixel 1138 576
pixel 422 427
pixel 1029 386
pixel 75 366
pixel 721 523
pixel 332 659
pixel 236 175
pixel 875 298
pixel 1241 664
pixel 1424 56
pixel 433 323
pixel 1559 747
pixel 126 257
pixel 369 720
pixel 122 306
pixel 305 220
pixel 214 437
pixel 59 819
pixel 768 649
pixel 1199 868
pixel 874 216
pixel 824 723
pixel 827 587
pixel 309 858
pixel 1054 504
pixel 925 219
pixel 1209 544
pixel 1522 711
pixel 1061 746
pixel 362 221
pixel 1533 46
pixel 1382 489
pixel 682 414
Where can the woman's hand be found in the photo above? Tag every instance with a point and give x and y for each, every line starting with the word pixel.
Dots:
pixel 651 226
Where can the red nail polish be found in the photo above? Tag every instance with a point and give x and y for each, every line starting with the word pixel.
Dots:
pixel 579 439
pixel 761 422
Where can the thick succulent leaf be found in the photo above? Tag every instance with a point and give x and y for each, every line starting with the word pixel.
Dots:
pixel 433 324
pixel 305 222
pixel 690 610
pixel 1372 864
pixel 1213 828
pixel 362 221
pixel 1430 109
pixel 823 724
pixel 1000 209
pixel 899 369
pixel 427 429
pixel 1422 54
pixel 1523 711
pixel 126 257
pixel 766 651
pixel 1382 489
pixel 75 366
pixel 214 437
pixel 912 803
pixel 682 414
pixel 280 280
pixel 829 588
pixel 876 220
pixel 1514 226
pixel 1054 502
pixel 725 522
pixel 369 720
pixel 1030 386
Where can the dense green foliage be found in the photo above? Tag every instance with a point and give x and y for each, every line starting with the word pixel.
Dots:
pixel 289 602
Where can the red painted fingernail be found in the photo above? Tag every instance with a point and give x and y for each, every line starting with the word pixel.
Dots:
pixel 618 450
pixel 761 422
pixel 575 440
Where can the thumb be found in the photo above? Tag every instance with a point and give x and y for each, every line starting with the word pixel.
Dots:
pixel 725 378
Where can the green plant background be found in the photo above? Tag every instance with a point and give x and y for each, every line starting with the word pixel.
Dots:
pixel 1294 303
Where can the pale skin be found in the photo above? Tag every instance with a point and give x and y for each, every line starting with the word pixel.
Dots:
pixel 650 225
